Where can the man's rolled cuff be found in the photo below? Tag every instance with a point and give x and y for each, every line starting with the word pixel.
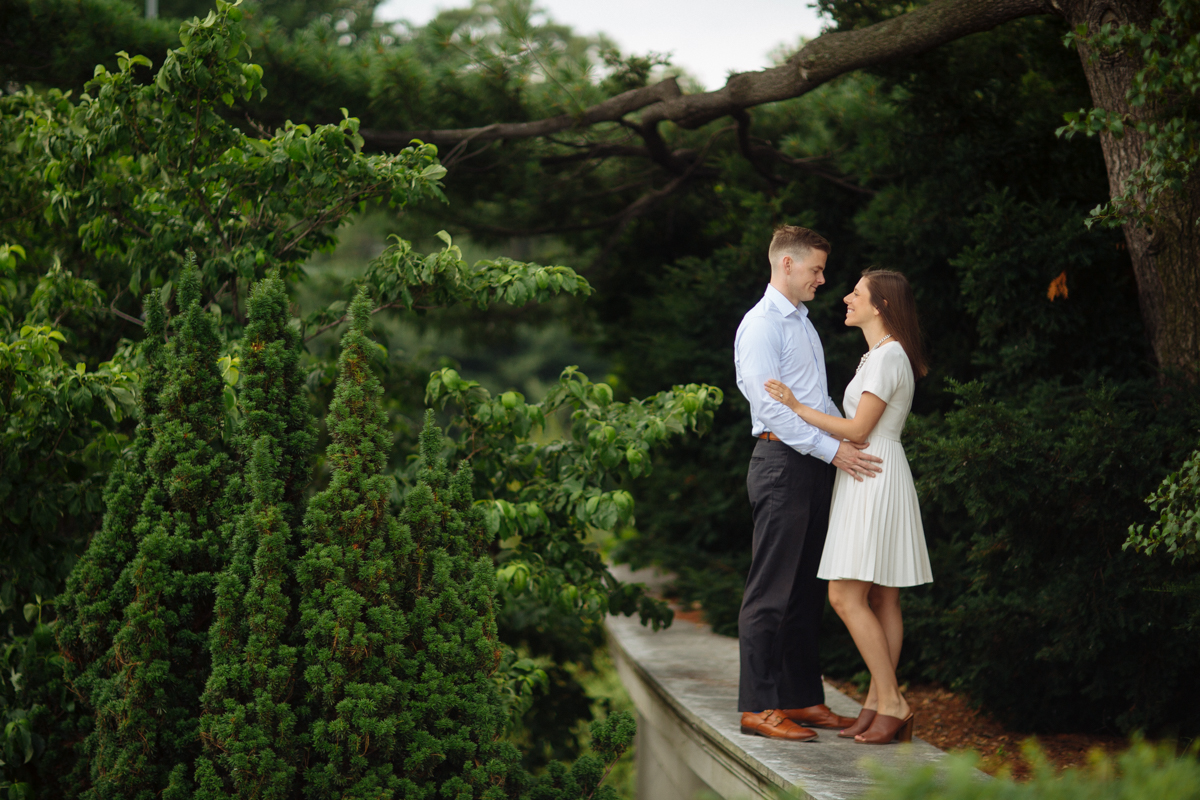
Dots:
pixel 826 449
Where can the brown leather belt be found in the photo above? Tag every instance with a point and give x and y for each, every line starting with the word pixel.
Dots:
pixel 770 437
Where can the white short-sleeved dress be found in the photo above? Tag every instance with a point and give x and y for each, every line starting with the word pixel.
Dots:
pixel 875 531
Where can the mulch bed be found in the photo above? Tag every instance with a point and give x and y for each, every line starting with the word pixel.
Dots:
pixel 946 720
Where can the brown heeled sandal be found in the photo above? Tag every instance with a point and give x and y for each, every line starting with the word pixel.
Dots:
pixel 865 716
pixel 886 729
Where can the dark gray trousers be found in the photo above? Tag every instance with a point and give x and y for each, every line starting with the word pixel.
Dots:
pixel 781 610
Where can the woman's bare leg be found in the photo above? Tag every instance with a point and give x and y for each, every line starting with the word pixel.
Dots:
pixel 885 605
pixel 850 601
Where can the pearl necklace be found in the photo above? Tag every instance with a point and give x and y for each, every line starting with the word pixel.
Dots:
pixel 863 360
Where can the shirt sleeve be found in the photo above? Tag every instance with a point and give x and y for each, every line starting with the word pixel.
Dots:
pixel 884 371
pixel 759 354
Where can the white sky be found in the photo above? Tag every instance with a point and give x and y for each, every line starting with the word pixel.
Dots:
pixel 708 38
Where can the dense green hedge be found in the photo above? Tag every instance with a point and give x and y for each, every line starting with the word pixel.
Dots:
pixel 1037 610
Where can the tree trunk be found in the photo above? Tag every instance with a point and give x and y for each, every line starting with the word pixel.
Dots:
pixel 1166 256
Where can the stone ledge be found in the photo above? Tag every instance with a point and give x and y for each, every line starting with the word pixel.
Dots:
pixel 684 683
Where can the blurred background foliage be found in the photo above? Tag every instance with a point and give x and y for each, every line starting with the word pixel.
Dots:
pixel 1035 440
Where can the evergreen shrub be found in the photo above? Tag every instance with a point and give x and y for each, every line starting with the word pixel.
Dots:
pixel 157 664
pixel 265 652
pixel 1036 610
pixel 249 725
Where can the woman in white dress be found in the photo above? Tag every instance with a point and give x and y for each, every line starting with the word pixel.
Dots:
pixel 876 543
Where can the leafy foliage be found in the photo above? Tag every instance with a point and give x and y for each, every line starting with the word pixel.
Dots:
pixel 404 279
pixel 1177 529
pixel 544 497
pixel 1144 770
pixel 146 171
pixel 60 433
pixel 1046 620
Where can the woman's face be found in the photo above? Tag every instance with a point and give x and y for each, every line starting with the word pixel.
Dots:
pixel 859 310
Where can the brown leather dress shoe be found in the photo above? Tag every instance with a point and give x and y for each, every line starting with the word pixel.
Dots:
pixel 817 717
pixel 773 725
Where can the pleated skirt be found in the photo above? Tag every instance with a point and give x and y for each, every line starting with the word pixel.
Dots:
pixel 875 530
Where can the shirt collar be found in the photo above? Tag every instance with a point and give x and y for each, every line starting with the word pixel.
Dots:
pixel 783 304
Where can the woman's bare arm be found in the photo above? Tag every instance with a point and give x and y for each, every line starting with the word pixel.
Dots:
pixel 870 409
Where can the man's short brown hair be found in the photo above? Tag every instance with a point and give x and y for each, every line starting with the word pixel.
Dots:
pixel 796 241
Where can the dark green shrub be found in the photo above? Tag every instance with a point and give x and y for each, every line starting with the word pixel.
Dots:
pixel 351 576
pixel 357 659
pixel 146 737
pixel 90 610
pixel 250 722
pixel 1047 620
pixel 454 710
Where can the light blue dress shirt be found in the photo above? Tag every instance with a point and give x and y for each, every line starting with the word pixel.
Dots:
pixel 777 340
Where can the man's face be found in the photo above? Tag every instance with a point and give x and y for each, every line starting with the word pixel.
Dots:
pixel 804 274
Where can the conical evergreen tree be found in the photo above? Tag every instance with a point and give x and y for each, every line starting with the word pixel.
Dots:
pixel 88 610
pixel 455 716
pixel 250 724
pixel 356 663
pixel 357 668
pixel 147 712
pixel 91 608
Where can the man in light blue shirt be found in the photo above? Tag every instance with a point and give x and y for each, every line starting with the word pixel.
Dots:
pixel 790 482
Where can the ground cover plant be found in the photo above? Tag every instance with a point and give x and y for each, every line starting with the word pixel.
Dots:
pixel 1145 770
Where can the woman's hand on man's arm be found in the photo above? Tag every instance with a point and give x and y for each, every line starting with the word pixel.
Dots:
pixel 870 409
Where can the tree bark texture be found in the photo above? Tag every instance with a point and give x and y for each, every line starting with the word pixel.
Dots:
pixel 1166 255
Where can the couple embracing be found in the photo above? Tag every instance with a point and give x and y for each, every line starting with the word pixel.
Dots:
pixel 861 532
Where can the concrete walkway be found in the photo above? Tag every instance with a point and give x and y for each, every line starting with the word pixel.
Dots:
pixel 684 682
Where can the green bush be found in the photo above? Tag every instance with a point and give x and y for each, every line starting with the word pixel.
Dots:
pixel 249 725
pixel 1046 619
pixel 146 735
pixel 358 659
pixel 1143 771
pixel 1177 529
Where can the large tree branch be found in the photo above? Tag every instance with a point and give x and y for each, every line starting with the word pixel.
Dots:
pixel 818 62
pixel 611 110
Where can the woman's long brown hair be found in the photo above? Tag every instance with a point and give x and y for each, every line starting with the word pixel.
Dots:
pixel 893 296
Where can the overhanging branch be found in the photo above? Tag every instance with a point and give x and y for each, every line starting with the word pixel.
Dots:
pixel 818 62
